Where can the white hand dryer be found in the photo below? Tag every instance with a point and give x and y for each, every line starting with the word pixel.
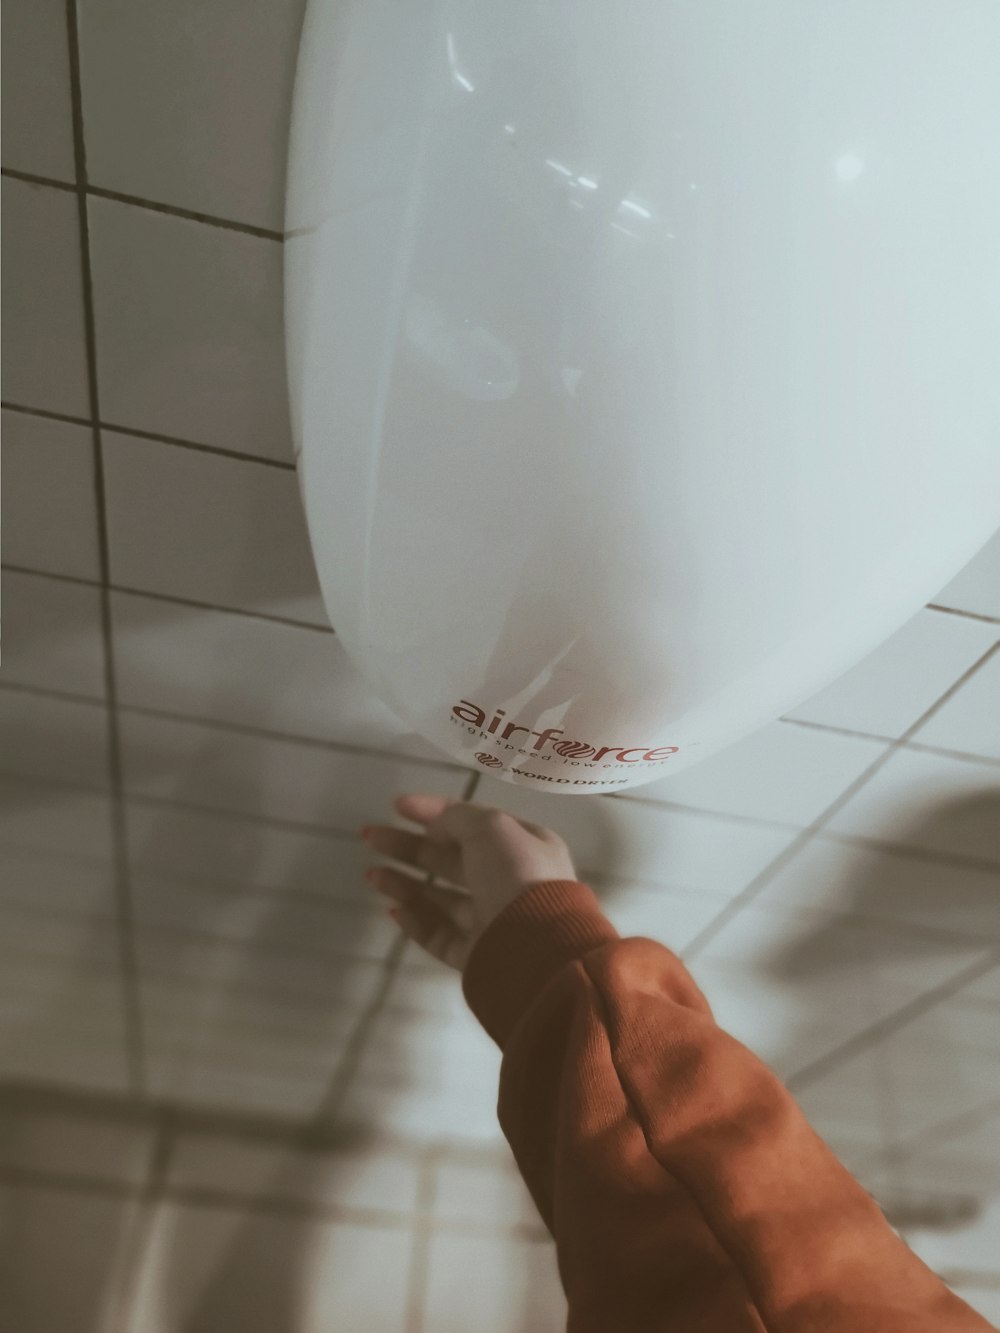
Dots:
pixel 643 358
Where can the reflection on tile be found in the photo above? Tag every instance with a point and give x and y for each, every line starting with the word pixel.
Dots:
pixel 213 529
pixel 99 1149
pixel 44 355
pixel 153 78
pixel 516 1286
pixel 189 329
pixel 901 679
pixel 628 839
pixel 783 773
pixel 52 738
pixel 53 637
pixel 236 668
pixel 272 779
pixel 49 504
pixel 977 587
pixel 212 1269
pixel 870 882
pixel 928 801
pixel 37 116
pixel 349 1177
pixel 970 720
pixel 63 1260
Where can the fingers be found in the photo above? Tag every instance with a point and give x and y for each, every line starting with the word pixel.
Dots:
pixel 406 890
pixel 440 922
pixel 441 859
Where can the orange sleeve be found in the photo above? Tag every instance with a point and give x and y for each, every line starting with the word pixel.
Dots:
pixel 683 1186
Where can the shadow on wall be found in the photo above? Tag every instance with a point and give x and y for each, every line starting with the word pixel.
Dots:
pixel 911 916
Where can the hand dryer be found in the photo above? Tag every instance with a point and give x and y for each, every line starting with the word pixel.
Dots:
pixel 643 358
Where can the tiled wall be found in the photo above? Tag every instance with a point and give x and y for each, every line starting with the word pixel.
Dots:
pixel 190 969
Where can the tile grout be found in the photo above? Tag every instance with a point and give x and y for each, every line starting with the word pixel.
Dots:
pixel 150 205
pixel 808 1074
pixel 131 1010
pixel 170 598
pixel 788 854
pixel 156 437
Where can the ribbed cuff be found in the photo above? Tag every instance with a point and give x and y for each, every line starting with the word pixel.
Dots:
pixel 548 925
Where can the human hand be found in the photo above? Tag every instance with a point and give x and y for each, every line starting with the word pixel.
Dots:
pixel 485 855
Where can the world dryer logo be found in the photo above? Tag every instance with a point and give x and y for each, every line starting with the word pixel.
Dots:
pixel 475 716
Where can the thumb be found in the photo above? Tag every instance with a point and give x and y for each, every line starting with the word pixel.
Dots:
pixel 434 931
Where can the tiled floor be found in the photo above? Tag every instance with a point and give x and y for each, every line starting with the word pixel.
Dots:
pixel 229 1096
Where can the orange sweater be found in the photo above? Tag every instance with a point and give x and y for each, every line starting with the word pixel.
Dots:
pixel 685 1191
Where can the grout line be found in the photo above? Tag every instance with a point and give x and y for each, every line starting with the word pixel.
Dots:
pixel 770 871
pixel 132 1018
pixel 157 437
pixel 420 1238
pixel 171 598
pixel 139 1238
pixel 899 1018
pixel 957 611
pixel 890 740
pixel 173 210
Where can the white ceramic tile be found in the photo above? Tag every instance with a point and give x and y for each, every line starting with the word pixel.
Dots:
pixel 493 1286
pixel 783 773
pixel 445 1095
pixel 627 839
pixel 209 90
pixel 483 1192
pixel 52 635
pixel 901 679
pixel 223 666
pixel 214 529
pixel 44 737
pixel 64 1259
pixel 49 503
pixel 37 116
pixel 810 949
pixel 849 1103
pixel 672 918
pixel 963 1162
pixel 189 329
pixel 44 354
pixel 60 1017
pixel 330 925
pixel 867 881
pixel 211 1269
pixel 970 720
pixel 930 1075
pixel 222 770
pixel 977 587
pixel 55 883
pixel 928 801
pixel 984 1299
pixel 366 1176
pixel 785 1025
pixel 974 1246
pixel 87 1146
pixel 38 816
pixel 199 845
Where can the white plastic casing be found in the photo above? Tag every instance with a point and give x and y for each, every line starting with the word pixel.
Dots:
pixel 643 359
